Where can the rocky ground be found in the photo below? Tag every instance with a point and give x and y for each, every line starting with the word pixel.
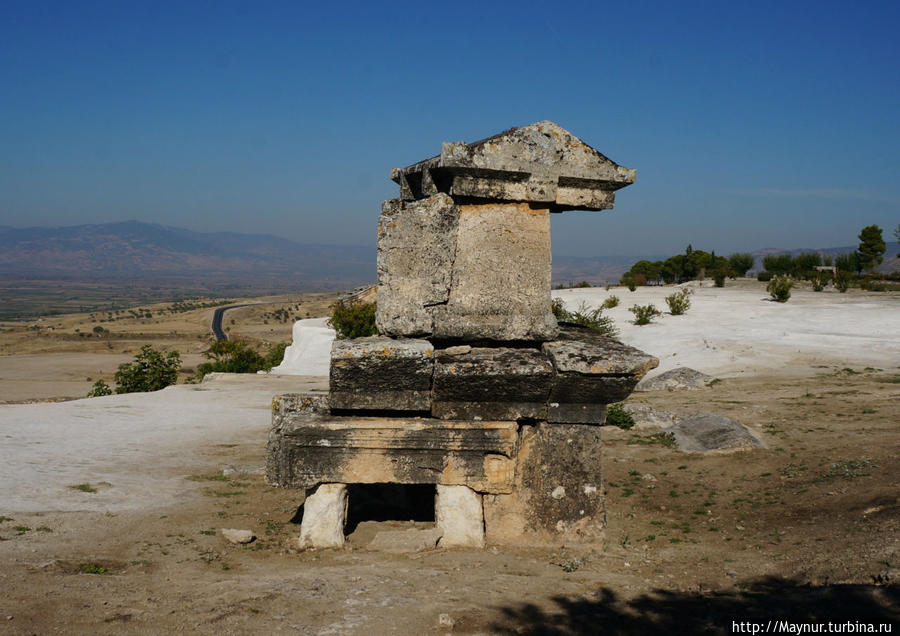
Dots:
pixel 122 533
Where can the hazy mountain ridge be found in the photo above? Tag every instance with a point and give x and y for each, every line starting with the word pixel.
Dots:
pixel 137 251
pixel 142 250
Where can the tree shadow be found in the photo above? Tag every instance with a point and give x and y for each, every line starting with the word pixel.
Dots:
pixel 666 612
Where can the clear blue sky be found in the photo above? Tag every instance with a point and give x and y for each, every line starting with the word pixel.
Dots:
pixel 751 124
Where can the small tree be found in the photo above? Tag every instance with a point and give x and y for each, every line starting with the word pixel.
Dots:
pixel 740 263
pixel 871 247
pixel 780 288
pixel 150 371
pixel 355 320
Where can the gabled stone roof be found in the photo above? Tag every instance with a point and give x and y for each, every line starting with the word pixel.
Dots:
pixel 541 163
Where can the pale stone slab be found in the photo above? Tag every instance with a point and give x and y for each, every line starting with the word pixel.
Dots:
pixel 416 245
pixel 233 535
pixel 501 276
pixel 541 162
pixel 324 516
pixel 409 540
pixel 459 515
pixel 370 450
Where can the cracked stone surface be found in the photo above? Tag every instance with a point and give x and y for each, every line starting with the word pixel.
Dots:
pixel 538 163
pixel 416 248
pixel 491 383
pixel 378 373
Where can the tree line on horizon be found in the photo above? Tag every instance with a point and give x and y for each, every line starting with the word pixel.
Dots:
pixel 698 264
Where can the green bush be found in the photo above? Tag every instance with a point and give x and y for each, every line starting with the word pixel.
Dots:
pixel 680 301
pixel 618 416
pixel 611 301
pixel 780 288
pixel 719 277
pixel 100 389
pixel 764 277
pixel 818 283
pixel 274 356
pixel 842 281
pixel 582 284
pixel 586 317
pixel 353 321
pixel 150 371
pixel 643 314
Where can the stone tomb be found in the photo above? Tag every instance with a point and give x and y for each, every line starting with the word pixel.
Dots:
pixel 471 385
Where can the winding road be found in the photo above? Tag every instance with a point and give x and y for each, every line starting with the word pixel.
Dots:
pixel 217 319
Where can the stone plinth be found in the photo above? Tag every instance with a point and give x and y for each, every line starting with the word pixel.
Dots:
pixel 380 373
pixel 304 452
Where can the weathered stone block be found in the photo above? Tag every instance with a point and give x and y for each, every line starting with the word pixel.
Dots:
pixel 380 373
pixel 501 276
pixel 304 452
pixel 416 246
pixel 324 516
pixel 558 494
pixel 539 163
pixel 459 516
pixel 591 372
pixel 491 383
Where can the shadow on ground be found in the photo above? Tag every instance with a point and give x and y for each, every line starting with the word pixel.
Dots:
pixel 665 612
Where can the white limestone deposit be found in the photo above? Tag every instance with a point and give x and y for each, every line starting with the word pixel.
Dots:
pixel 737 330
pixel 309 354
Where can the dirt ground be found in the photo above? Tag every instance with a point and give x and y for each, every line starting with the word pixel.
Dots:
pixel 805 529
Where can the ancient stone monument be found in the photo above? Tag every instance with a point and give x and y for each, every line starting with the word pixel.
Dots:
pixel 471 385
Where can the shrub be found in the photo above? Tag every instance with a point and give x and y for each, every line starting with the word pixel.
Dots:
pixel 275 355
pixel 150 371
pixel 719 277
pixel 582 284
pixel 818 283
pixel 617 416
pixel 842 281
pixel 586 317
pixel 643 314
pixel 764 277
pixel 100 389
pixel 631 286
pixel 780 288
pixel 610 302
pixel 355 320
pixel 680 301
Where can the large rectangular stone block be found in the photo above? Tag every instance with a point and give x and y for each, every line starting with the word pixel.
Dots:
pixel 380 373
pixel 501 276
pixel 558 494
pixel 416 246
pixel 491 383
pixel 591 372
pixel 304 452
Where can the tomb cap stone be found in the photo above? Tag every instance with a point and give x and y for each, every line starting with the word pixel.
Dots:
pixel 539 163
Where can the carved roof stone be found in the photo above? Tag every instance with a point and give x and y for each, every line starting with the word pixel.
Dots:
pixel 541 163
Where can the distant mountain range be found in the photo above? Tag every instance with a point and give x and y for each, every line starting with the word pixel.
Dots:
pixel 136 251
pixel 146 253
